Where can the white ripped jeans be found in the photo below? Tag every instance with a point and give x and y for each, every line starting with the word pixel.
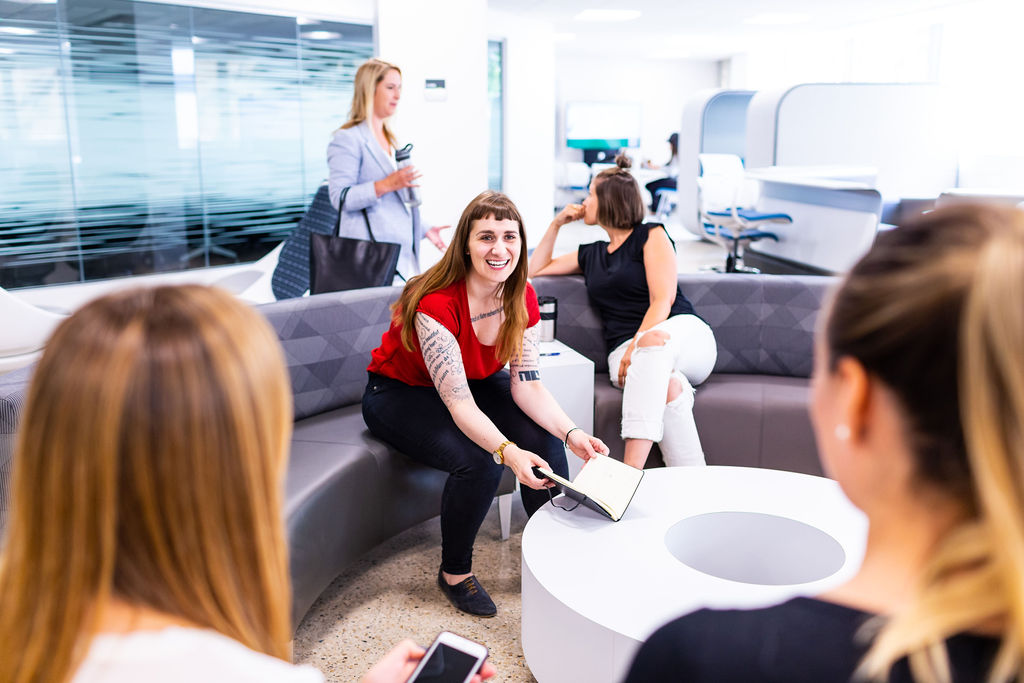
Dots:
pixel 689 355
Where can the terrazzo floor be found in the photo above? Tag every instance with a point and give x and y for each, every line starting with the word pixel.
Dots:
pixel 391 594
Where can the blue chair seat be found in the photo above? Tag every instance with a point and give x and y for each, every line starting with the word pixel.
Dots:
pixel 749 234
pixel 751 215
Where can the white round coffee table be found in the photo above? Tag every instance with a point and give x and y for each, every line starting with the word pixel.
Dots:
pixel 594 590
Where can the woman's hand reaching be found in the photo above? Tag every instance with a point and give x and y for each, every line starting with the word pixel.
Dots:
pixel 396 666
pixel 434 237
pixel 522 463
pixel 585 446
pixel 627 359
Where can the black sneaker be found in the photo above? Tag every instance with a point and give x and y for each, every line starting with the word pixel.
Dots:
pixel 468 595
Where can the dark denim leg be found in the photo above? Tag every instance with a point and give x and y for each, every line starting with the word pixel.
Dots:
pixel 494 396
pixel 415 421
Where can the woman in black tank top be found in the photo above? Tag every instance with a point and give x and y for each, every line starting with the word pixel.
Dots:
pixel 658 347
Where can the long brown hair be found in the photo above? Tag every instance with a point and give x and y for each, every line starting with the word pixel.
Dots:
pixel 453 267
pixel 619 203
pixel 148 469
pixel 368 76
pixel 934 311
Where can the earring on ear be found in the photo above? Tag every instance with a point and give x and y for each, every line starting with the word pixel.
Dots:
pixel 842 432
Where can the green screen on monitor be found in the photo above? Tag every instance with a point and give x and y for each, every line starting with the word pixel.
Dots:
pixel 602 143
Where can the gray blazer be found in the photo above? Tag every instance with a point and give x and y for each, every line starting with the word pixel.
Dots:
pixel 356 161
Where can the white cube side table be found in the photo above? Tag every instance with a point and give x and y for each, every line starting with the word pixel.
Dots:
pixel 569 376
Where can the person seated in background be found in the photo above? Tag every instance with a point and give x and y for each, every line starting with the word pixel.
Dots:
pixel 918 407
pixel 671 172
pixel 437 390
pixel 658 348
pixel 146 538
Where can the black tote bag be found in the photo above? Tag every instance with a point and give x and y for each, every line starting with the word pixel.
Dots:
pixel 339 263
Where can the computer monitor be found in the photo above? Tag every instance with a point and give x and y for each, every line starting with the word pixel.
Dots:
pixel 602 126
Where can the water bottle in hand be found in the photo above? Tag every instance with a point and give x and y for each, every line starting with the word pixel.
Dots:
pixel 411 195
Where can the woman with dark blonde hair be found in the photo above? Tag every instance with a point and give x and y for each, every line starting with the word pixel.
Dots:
pixel 360 157
pixel 438 393
pixel 658 348
pixel 146 537
pixel 918 407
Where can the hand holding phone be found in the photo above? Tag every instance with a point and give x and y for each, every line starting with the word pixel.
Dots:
pixel 450 659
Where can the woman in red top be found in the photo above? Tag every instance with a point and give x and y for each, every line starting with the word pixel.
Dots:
pixel 438 392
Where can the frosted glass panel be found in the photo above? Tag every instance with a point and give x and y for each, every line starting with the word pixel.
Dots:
pixel 143 137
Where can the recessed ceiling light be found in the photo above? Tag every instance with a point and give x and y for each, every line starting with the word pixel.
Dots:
pixel 6 51
pixel 777 19
pixel 607 15
pixel 18 31
pixel 321 35
pixel 564 37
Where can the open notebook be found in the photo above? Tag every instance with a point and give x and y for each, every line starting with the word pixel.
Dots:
pixel 604 484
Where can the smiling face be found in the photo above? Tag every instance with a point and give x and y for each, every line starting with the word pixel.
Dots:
pixel 387 94
pixel 494 248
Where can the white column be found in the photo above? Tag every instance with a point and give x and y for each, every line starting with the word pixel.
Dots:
pixel 448 41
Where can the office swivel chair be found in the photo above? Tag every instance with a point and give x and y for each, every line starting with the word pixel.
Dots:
pixel 724 198
pixel 665 201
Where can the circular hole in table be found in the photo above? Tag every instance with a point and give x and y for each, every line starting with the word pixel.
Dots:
pixel 755 548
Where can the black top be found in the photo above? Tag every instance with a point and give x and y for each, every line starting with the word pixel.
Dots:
pixel 617 284
pixel 800 640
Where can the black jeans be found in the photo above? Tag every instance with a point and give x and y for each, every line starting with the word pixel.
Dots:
pixel 659 184
pixel 416 421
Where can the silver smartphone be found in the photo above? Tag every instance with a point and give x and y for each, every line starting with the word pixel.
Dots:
pixel 449 659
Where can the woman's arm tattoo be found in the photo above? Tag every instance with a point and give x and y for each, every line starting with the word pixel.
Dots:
pixel 525 367
pixel 443 358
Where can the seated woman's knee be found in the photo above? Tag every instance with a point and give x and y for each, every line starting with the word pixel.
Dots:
pixel 654 338
pixel 675 388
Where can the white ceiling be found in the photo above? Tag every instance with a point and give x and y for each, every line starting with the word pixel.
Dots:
pixel 701 29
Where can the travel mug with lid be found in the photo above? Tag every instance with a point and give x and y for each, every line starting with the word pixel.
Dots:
pixel 548 317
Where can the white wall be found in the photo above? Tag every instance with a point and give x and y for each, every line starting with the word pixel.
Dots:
pixel 661 86
pixel 449 136
pixel 529 177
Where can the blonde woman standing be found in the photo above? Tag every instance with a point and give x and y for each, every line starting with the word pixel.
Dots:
pixel 361 157
pixel 146 537
pixel 918 407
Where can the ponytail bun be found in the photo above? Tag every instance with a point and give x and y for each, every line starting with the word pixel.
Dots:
pixel 623 161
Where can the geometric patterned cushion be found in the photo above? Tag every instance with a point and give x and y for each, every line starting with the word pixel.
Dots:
pixel 791 307
pixel 763 324
pixel 327 340
pixel 578 324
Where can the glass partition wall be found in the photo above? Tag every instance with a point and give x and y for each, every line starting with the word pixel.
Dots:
pixel 141 137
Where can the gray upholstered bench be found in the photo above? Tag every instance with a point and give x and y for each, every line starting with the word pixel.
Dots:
pixel 752 411
pixel 347 491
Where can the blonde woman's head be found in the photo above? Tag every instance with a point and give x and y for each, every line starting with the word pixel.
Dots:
pixel 148 469
pixel 935 313
pixel 376 91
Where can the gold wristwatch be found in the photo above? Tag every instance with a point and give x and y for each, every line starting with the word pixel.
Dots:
pixel 499 453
